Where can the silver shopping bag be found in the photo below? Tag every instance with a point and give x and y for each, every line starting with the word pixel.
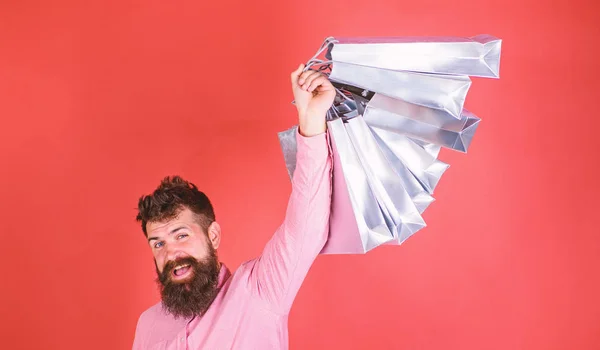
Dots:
pixel 419 156
pixel 402 216
pixel 473 56
pixel 426 124
pixel 356 224
pixel 420 159
pixel 287 142
pixel 418 193
pixel 443 92
pixel 398 102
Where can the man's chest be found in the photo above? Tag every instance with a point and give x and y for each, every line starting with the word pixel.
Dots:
pixel 236 323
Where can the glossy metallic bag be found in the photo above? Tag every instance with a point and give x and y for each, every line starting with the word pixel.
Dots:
pixel 443 92
pixel 399 101
pixel 474 56
pixel 419 159
pixel 426 124
pixel 402 215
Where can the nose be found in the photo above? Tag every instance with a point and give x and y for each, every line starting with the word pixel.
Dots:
pixel 173 253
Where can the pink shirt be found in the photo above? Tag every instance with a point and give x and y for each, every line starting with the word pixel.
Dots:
pixel 252 307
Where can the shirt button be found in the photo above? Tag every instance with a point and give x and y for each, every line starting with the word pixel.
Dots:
pixel 182 339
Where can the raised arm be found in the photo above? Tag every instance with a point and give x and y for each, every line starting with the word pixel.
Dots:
pixel 286 259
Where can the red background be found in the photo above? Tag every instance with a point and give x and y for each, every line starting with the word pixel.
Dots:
pixel 99 101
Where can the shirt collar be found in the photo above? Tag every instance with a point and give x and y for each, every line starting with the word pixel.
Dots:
pixel 224 275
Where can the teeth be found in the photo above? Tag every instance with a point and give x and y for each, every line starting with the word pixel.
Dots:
pixel 181 266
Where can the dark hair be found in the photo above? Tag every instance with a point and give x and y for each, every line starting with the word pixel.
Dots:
pixel 170 198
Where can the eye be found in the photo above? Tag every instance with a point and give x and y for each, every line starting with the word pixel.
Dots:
pixel 182 235
pixel 158 244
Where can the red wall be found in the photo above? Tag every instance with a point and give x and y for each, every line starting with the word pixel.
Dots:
pixel 99 101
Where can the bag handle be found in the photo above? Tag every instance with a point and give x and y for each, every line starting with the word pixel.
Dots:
pixel 314 61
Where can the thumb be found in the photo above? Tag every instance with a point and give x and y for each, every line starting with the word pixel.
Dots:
pixel 296 74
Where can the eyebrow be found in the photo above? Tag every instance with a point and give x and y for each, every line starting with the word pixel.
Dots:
pixel 173 231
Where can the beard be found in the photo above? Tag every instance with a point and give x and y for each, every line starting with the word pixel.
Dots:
pixel 194 295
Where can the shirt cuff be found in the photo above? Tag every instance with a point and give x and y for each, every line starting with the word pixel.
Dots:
pixel 314 146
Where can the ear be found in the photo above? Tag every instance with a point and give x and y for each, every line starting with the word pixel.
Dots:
pixel 214 234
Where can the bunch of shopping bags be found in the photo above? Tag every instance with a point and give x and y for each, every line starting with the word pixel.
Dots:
pixel 399 100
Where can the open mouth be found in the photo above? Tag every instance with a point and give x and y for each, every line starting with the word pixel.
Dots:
pixel 181 272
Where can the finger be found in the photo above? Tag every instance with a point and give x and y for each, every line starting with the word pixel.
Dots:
pixel 308 81
pixel 325 86
pixel 318 82
pixel 296 74
pixel 306 76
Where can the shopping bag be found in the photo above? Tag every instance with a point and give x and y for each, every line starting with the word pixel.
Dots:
pixel 422 164
pixel 402 216
pixel 418 193
pixel 398 102
pixel 419 156
pixel 287 142
pixel 356 224
pixel 444 92
pixel 473 56
pixel 426 124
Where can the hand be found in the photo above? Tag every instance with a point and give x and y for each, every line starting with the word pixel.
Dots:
pixel 313 95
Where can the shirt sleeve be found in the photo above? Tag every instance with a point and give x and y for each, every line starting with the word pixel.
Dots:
pixel 279 271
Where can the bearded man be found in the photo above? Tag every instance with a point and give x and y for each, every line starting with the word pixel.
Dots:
pixel 203 304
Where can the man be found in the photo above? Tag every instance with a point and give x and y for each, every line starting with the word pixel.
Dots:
pixel 204 305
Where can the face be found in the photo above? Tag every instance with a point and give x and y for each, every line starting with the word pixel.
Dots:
pixel 186 263
pixel 179 238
